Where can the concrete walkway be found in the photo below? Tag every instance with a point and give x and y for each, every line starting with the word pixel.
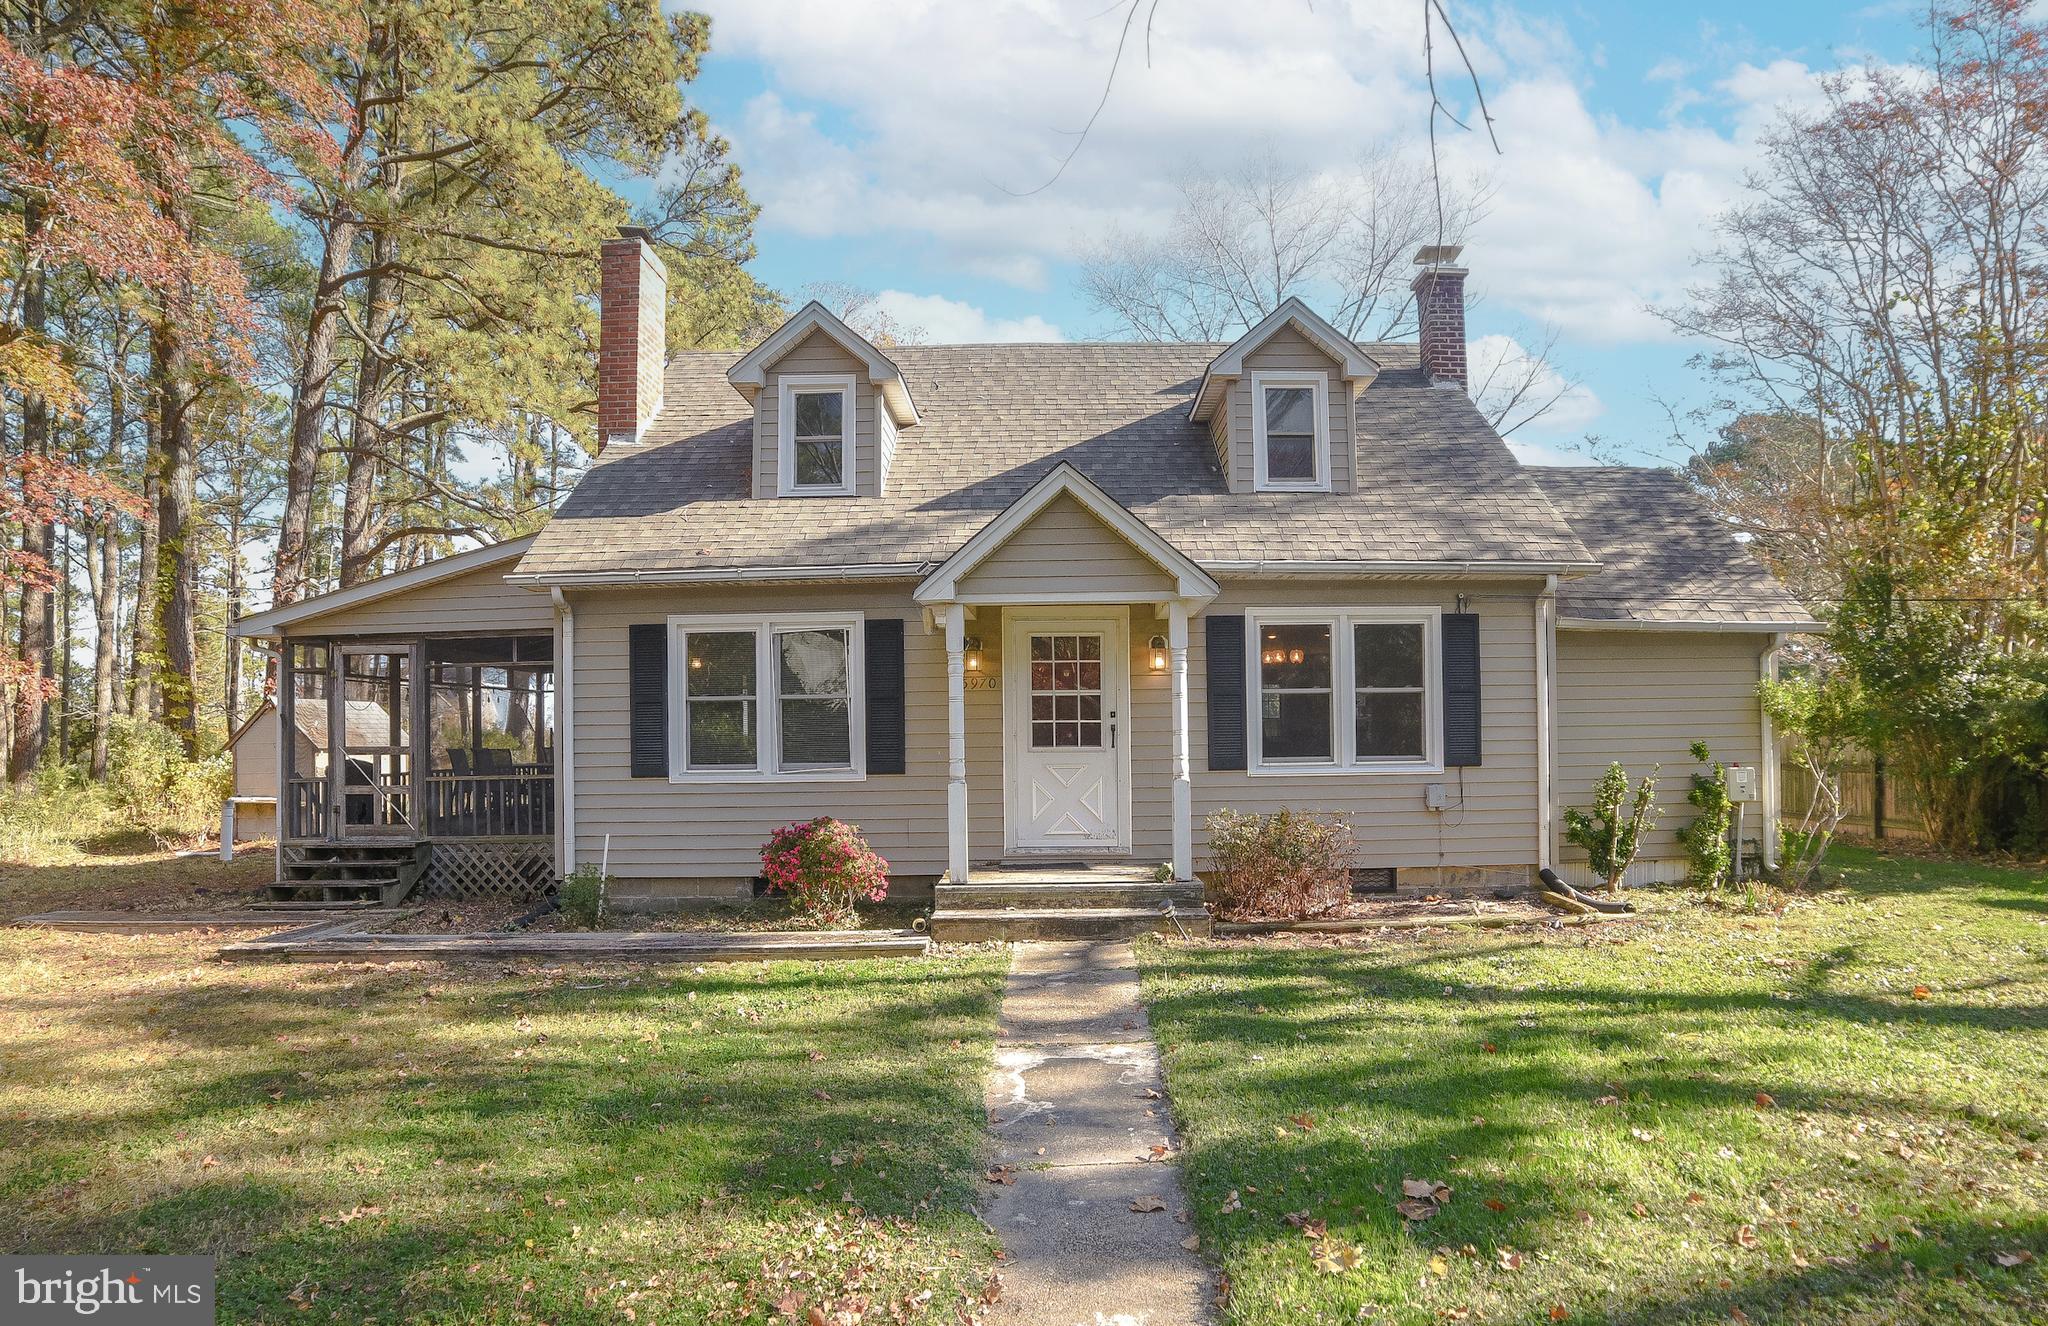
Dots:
pixel 1077 1106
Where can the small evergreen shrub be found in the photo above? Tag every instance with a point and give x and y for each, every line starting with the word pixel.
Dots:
pixel 1280 867
pixel 584 896
pixel 826 868
pixel 1708 852
pixel 1613 834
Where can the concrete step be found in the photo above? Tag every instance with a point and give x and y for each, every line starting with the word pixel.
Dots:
pixel 956 926
pixel 978 895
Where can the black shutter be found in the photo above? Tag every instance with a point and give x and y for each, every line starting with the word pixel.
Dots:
pixel 884 639
pixel 647 668
pixel 1226 692
pixel 1461 689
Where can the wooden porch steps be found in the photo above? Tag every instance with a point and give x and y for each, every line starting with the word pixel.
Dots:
pixel 1070 900
pixel 380 874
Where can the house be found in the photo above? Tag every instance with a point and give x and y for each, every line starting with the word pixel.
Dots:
pixel 1039 606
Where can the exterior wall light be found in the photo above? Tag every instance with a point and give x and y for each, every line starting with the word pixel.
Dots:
pixel 1158 648
pixel 972 646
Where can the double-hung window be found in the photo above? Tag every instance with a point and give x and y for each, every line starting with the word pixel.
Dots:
pixel 815 446
pixel 1291 431
pixel 767 697
pixel 1346 689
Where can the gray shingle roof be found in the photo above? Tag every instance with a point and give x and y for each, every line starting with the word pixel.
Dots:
pixel 1663 556
pixel 1435 483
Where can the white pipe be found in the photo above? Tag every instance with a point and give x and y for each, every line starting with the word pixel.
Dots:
pixel 1546 698
pixel 565 730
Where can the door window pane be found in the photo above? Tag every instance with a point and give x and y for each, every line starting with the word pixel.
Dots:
pixel 1295 691
pixel 815 699
pixel 1066 692
pixel 723 722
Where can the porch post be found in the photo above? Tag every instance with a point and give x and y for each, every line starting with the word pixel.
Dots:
pixel 956 743
pixel 1183 779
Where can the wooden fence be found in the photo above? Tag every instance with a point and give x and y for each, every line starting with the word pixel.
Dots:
pixel 1902 815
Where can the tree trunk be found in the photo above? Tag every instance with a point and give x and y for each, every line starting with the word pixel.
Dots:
pixel 38 538
pixel 103 575
pixel 170 370
pixel 359 532
pixel 144 649
pixel 290 580
pixel 62 640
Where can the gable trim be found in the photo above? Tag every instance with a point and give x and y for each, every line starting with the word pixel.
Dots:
pixel 1354 364
pixel 750 373
pixel 273 621
pixel 943 584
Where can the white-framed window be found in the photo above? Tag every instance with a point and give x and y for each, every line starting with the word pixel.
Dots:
pixel 1351 690
pixel 1290 431
pixel 815 443
pixel 766 697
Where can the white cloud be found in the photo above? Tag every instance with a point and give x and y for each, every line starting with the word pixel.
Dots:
pixel 1501 364
pixel 932 124
pixel 946 321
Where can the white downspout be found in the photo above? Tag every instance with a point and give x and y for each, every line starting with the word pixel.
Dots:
pixel 1767 761
pixel 1546 695
pixel 1183 784
pixel 565 727
pixel 956 744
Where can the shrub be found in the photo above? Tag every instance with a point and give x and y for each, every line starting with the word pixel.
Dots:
pixel 161 790
pixel 1610 836
pixel 1708 852
pixel 583 895
pixel 826 868
pixel 1283 866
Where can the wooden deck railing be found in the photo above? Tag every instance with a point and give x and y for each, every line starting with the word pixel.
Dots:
pixel 305 808
pixel 490 805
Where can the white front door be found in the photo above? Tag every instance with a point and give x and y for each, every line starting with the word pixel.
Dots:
pixel 1065 702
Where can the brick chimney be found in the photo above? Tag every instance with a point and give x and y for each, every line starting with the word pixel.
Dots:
pixel 632 343
pixel 1440 312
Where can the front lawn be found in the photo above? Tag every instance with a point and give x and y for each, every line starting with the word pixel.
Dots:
pixel 503 1145
pixel 1836 1114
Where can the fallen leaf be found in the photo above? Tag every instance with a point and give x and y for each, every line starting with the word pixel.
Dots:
pixel 1558 1312
pixel 1336 1258
pixel 1921 992
pixel 1147 1203
pixel 1191 1242
pixel 1510 1260
pixel 1745 1236
pixel 1764 1100
pixel 1004 1174
pixel 208 1163
pixel 1416 1208
pixel 1496 1204
pixel 1231 1203
pixel 1438 1266
pixel 1305 1122
pixel 2011 1259
pixel 1490 1048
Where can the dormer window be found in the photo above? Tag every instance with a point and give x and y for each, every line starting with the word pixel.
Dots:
pixel 816 454
pixel 1291 432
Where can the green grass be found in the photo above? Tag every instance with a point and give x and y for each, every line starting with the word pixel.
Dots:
pixel 1897 1155
pixel 503 1145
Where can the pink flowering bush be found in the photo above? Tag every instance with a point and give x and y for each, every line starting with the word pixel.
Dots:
pixel 825 867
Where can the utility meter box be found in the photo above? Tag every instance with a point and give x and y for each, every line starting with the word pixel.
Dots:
pixel 1435 796
pixel 1742 782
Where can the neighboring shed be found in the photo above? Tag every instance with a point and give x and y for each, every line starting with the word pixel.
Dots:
pixel 250 812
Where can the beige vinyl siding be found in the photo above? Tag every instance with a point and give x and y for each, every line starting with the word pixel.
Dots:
pixel 1496 823
pixel 1065 548
pixel 815 354
pixel 682 831
pixel 1289 349
pixel 255 755
pixel 663 831
pixel 1643 698
pixel 477 602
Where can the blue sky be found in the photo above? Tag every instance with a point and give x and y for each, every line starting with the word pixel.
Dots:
pixel 885 138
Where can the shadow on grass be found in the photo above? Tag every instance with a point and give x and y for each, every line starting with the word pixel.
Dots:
pixel 496 1123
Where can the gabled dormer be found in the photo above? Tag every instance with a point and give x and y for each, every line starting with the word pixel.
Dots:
pixel 827 407
pixel 1278 402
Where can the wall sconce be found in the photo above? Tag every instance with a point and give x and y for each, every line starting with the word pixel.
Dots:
pixel 1158 647
pixel 972 647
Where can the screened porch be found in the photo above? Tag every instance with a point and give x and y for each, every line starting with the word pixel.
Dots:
pixel 439 739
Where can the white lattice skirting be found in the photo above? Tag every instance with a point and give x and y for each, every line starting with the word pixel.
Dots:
pixel 478 870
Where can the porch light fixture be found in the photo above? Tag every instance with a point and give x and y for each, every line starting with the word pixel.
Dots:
pixel 1158 647
pixel 972 646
